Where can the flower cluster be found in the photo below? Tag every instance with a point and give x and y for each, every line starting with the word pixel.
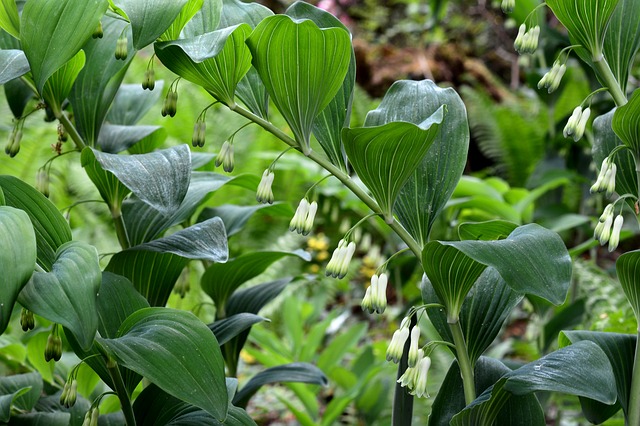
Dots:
pixel 302 221
pixel 375 298
pixel 149 82
pixel 122 47
pixel 577 123
pixel 225 157
pixel 527 39
pixel 338 265
pixel 604 232
pixel 394 351
pixel 606 180
pixel 508 5
pixel 551 80
pixel 27 321
pixel 69 393
pixel 91 418
pixel 199 134
pixel 264 194
pixel 415 378
pixel 53 349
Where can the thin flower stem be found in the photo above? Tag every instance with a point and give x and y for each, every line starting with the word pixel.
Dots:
pixel 466 369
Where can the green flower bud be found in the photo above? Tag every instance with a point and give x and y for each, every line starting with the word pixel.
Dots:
pixel 149 82
pixel 122 47
pixel 53 349
pixel 27 321
pixel 94 417
pixel 199 134
pixel 614 240
pixel 264 194
pixel 72 394
pixel 170 104
pixel 508 5
pixel 98 33
pixel 42 182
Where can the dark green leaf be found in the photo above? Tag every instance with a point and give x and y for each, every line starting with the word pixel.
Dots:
pixel 628 269
pixel 486 231
pixel 67 294
pixel 6 400
pixel 230 327
pixel 9 18
pixel 425 194
pixel 18 94
pixel 116 138
pixel 302 68
pixel 149 18
pixel 295 372
pixel 111 189
pixel 14 65
pixel 622 40
pixel 386 156
pixel 132 102
pixel 236 217
pixel 20 390
pixel 117 300
pixel 51 229
pixel 626 123
pixel 570 316
pixel 45 32
pixel 205 21
pixel 41 419
pixel 177 352
pixel 17 260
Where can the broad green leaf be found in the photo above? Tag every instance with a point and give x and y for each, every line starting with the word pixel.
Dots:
pixel 160 178
pixel 149 18
pixel 235 12
pixel 67 294
pixel 116 138
pixel 6 400
pixel 50 227
pixel 177 352
pixel 622 40
pixel 111 189
pixel 216 61
pixel 626 123
pixel 518 411
pixel 469 186
pixel 424 195
pixel 482 208
pixel 17 260
pixel 41 419
pixel 20 390
pixel 18 94
pixel 328 125
pixel 117 300
pixel 487 231
pixel 188 11
pixel 9 18
pixel 586 21
pixel 51 404
pixel 628 270
pixel 58 86
pixel 220 280
pixel 35 350
pixel 53 32
pixel 620 349
pixel 581 369
pixel 230 327
pixel 386 156
pixel 302 68
pixel 98 82
pixel 532 260
pixel 236 217
pixel 295 372
pixel 14 64
pixel 132 102
pixel 205 21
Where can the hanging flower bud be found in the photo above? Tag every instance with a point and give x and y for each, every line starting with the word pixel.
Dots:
pixel 508 5
pixel 603 230
pixel 311 215
pixel 608 211
pixel 149 82
pixel 225 157
pixel 13 147
pixel 551 80
pixel 42 182
pixel 199 135
pixel 527 42
pixel 170 104
pixel 338 266
pixel 297 222
pixel 94 417
pixel 582 125
pixel 122 47
pixel 610 180
pixel 53 349
pixel 394 351
pixel 420 382
pixel 69 394
pixel 577 123
pixel 413 348
pixel 27 321
pixel 98 32
pixel 517 44
pixel 614 240
pixel 264 194
pixel 409 377
pixel 375 298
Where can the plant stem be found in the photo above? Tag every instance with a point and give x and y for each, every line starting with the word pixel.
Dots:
pixel 121 230
pixel 75 136
pixel 339 174
pixel 634 394
pixel 122 393
pixel 603 69
pixel 402 410
pixel 466 369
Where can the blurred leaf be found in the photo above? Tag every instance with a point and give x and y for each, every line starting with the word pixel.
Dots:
pixel 294 372
pixel 132 102
pixel 58 86
pixel 18 94
pixel 236 217
pixel 570 316
pixel 626 123
pixel 6 400
pixel 486 231
pixel 205 20
pixel 424 195
pixel 483 208
pixel 45 36
pixel 9 18
pixel 67 295
pixel 302 68
pixel 177 352
pixel 35 355
pixel 18 262
pixel 231 326
pixel 41 419
pixel 628 270
pixel 386 156
pixel 340 346
pixel 149 18
pixel 117 138
pixel 622 40
pixel 14 64
pixel 50 227
pixel 20 390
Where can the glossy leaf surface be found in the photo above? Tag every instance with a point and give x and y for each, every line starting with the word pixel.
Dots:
pixel 230 327
pixel 622 40
pixel 626 123
pixel 149 18
pixel 21 391
pixel 14 64
pixel 487 231
pixel 205 20
pixel 628 269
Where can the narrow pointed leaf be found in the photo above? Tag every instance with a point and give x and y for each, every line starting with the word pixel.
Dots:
pixel 205 20
pixel 17 260
pixel 45 36
pixel 13 65
pixel 177 352
pixel 67 294
pixel 386 156
pixel 302 68
pixel 626 123
pixel 230 327
pixel 299 372
pixel 9 18
pixel 487 231
pixel 50 227
pixel 622 40
pixel 216 61
pixel 58 86
pixel 132 102
pixel 628 270
pixel 149 18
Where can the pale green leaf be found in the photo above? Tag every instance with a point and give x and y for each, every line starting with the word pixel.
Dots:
pixel 628 269
pixel 622 40
pixel 188 11
pixel 236 217
pixel 488 231
pixel 626 123
pixel 205 20
pixel 149 18
pixel 58 86
pixel 14 64
pixel 9 18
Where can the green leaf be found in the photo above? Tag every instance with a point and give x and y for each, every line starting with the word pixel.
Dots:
pixel 581 369
pixel 6 400
pixel 117 300
pixel 21 391
pixel 160 178
pixel 628 268
pixel 424 195
pixel 220 280
pixel 188 11
pixel 116 138
pixel 50 227
pixel 626 122
pixel 149 18
pixel 41 419
pixel 67 295
pixel 622 40
pixel 98 82
pixel 18 261
pixel 35 350
pixel 300 372
pixel 386 156
pixel 132 102
pixel 110 188
pixel 486 231
pixel 570 316
pixel 45 32
pixel 58 86
pixel 230 327
pixel 216 61
pixel 586 21
pixel 236 217
pixel 14 64
pixel 18 94
pixel 9 18
pixel 177 352
pixel 302 68
pixel 205 21
pixel 328 125
pixel 620 349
